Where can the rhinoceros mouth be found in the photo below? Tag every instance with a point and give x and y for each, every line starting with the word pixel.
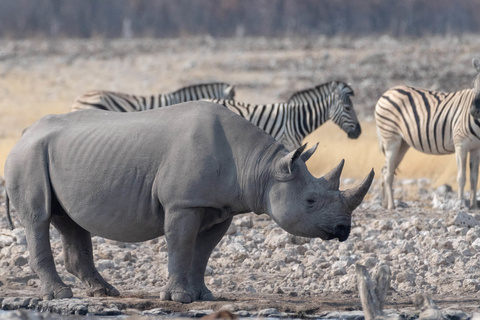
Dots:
pixel 324 233
pixel 327 234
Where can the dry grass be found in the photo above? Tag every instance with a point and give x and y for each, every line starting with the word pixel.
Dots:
pixel 364 153
pixel 38 79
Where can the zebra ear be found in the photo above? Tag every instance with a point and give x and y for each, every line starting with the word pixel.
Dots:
pixel 476 64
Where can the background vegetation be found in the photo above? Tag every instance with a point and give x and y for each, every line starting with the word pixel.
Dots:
pixel 52 51
pixel 227 18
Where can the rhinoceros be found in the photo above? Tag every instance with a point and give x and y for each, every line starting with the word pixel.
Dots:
pixel 182 171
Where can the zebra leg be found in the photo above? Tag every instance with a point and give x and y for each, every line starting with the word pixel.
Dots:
pixel 395 150
pixel 383 187
pixel 474 161
pixel 461 157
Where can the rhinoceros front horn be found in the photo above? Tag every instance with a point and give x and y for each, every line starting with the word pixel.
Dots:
pixel 353 197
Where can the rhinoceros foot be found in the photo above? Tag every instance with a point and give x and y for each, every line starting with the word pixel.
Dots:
pixel 207 296
pixel 101 292
pixel 202 293
pixel 58 293
pixel 179 296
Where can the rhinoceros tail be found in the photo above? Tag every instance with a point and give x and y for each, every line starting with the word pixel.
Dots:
pixel 7 207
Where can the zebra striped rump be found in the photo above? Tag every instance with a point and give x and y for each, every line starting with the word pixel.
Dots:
pixel 426 119
pixel 121 102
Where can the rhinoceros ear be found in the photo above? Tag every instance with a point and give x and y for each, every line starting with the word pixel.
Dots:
pixel 307 154
pixel 286 163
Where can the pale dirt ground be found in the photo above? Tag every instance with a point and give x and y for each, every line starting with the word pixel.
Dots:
pixel 37 78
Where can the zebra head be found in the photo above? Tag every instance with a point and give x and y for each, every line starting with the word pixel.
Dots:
pixel 341 109
pixel 475 108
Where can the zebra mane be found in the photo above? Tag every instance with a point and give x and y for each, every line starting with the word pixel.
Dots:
pixel 476 84
pixel 324 89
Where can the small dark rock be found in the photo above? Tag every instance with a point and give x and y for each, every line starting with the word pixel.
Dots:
pixel 20 261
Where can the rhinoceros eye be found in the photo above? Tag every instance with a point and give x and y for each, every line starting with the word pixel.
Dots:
pixel 310 202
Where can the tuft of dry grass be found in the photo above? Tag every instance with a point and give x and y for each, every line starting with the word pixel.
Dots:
pixel 364 153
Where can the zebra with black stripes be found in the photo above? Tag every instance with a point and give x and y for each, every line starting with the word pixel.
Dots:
pixel 290 122
pixel 432 122
pixel 121 102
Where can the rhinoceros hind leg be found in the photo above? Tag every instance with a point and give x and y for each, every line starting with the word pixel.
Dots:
pixel 41 261
pixel 78 256
pixel 34 207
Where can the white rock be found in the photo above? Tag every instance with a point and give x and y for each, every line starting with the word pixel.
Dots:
pixel 236 251
pixel 19 234
pixel 232 229
pixel 104 264
pixel 268 312
pixel 6 240
pixel 276 239
pixel 476 244
pixel 245 221
pixel 216 282
pixel 464 220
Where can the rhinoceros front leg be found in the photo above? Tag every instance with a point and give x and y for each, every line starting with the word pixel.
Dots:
pixel 205 243
pixel 181 229
pixel 78 255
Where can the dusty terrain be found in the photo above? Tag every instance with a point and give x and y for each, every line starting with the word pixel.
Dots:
pixel 431 246
pixel 425 242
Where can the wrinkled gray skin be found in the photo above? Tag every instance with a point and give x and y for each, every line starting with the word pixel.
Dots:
pixel 181 171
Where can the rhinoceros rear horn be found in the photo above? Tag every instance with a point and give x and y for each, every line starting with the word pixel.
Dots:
pixel 333 177
pixel 353 197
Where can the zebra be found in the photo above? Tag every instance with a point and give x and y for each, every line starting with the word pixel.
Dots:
pixel 290 122
pixel 432 122
pixel 121 102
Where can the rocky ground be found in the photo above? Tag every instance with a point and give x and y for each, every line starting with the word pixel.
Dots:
pixel 430 242
pixel 431 245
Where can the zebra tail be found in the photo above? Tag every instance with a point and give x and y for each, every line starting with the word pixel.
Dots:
pixel 7 207
pixel 380 141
